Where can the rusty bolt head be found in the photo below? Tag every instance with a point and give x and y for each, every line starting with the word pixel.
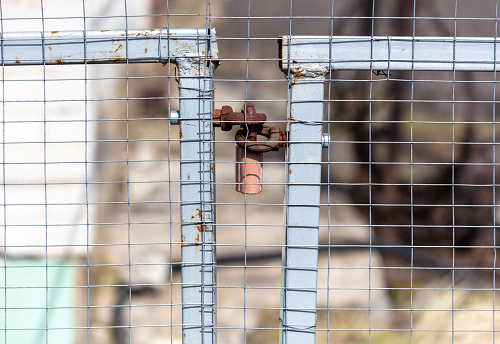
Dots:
pixel 283 139
pixel 250 109
pixel 216 116
pixel 226 110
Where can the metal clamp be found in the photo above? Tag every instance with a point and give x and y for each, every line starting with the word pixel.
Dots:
pixel 251 125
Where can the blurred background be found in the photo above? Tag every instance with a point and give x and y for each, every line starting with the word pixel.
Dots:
pixel 408 217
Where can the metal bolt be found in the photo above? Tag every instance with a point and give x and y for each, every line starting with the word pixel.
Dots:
pixel 325 140
pixel 174 117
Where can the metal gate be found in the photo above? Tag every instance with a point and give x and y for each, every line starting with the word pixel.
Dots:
pixel 351 200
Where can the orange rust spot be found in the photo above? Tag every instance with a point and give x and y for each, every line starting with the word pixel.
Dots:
pixel 183 238
pixel 50 48
pixel 54 32
pixel 17 61
pixel 60 62
pixel 290 171
pixel 122 34
pixel 119 47
pixel 198 214
pixel 104 30
pixel 180 134
pixel 145 50
pixel 201 227
pixel 189 176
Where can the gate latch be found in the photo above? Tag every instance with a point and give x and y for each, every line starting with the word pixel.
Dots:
pixel 249 150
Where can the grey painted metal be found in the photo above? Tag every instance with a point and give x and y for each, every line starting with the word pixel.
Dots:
pixel 116 46
pixel 305 54
pixel 300 261
pixel 195 52
pixel 306 60
pixel 197 200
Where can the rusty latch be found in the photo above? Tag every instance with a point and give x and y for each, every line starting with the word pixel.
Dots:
pixel 251 125
pixel 248 150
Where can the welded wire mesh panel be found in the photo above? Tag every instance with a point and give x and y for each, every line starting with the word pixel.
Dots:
pixel 333 180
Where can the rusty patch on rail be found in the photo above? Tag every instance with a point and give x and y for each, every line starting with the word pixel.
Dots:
pixel 201 227
pixel 59 61
pixel 198 215
pixel 119 47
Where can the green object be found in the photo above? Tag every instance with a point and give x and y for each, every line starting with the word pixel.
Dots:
pixel 36 296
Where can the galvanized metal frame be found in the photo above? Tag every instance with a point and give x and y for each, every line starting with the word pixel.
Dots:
pixel 306 60
pixel 303 55
pixel 197 200
pixel 115 46
pixel 195 53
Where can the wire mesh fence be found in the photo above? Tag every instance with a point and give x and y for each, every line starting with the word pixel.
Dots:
pixel 352 199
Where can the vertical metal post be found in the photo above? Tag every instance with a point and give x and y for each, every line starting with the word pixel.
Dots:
pixel 197 211
pixel 300 265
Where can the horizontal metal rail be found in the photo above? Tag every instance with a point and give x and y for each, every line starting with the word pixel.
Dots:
pixel 306 54
pixel 116 46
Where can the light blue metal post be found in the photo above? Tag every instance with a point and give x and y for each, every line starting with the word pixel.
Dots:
pixel 197 197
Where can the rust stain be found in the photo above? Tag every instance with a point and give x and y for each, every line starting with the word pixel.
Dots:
pixel 104 30
pixel 189 176
pixel 183 238
pixel 119 47
pixel 197 237
pixel 198 215
pixel 17 61
pixel 122 34
pixel 180 134
pixel 50 48
pixel 145 50
pixel 290 171
pixel 54 33
pixel 201 227
pixel 117 59
pixel 59 61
